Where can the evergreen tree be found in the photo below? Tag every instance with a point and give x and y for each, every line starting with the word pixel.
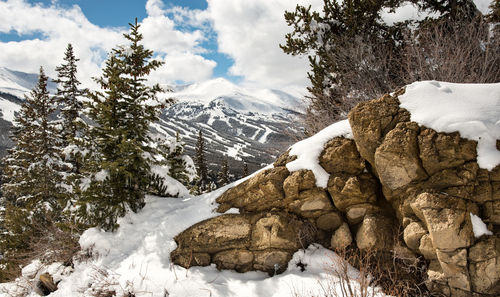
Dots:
pixel 354 55
pixel 178 163
pixel 33 195
pixel 120 160
pixel 202 183
pixel 245 169
pixel 494 16
pixel 68 97
pixel 72 125
pixel 171 161
pixel 223 175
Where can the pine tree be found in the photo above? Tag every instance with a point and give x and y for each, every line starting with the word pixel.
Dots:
pixel 245 169
pixel 33 172
pixel 72 125
pixel 494 15
pixel 120 160
pixel 172 161
pixel 223 175
pixel 201 165
pixel 177 162
pixel 354 55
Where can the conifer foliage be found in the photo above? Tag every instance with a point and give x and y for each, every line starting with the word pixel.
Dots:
pixel 69 98
pixel 245 169
pixel 120 153
pixel 203 183
pixel 33 190
pixel 223 175
pixel 181 166
pixel 72 126
pixel 356 55
pixel 171 161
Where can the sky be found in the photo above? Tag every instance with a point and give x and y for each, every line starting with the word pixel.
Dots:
pixel 197 39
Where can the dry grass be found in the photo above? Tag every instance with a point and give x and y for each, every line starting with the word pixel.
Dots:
pixel 51 244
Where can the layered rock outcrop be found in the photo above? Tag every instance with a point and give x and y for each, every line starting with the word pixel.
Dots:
pixel 391 172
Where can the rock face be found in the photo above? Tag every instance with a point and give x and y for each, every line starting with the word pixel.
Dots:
pixel 393 173
pixel 434 183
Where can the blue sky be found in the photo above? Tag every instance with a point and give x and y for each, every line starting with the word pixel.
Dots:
pixel 197 39
pixel 124 12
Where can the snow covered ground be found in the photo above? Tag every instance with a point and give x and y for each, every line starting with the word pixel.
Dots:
pixel 136 259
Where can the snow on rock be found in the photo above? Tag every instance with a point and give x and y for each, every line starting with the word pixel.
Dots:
pixel 308 151
pixel 478 226
pixel 471 109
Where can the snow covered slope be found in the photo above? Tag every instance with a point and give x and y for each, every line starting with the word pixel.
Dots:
pixel 254 126
pixel 17 83
pixel 241 124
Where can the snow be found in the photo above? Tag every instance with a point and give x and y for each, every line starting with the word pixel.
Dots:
pixel 263 101
pixel 478 226
pixel 410 12
pixel 136 258
pixel 471 109
pixel 483 6
pixel 405 12
pixel 8 109
pixel 308 151
pixel 102 175
pixel 174 187
pixel 18 83
pixel 263 138
pixel 31 269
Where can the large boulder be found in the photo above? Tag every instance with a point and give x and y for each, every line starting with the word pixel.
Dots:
pixel 397 158
pixel 340 155
pixel 347 190
pixel 244 242
pixel 433 183
pixel 372 120
pixel 262 192
pixel 224 232
pixel 484 266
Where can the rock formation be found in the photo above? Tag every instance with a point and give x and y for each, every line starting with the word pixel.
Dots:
pixel 392 173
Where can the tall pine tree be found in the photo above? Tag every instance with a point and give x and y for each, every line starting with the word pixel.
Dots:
pixel 120 159
pixel 33 172
pixel 180 165
pixel 245 168
pixel 202 183
pixel 69 97
pixel 223 175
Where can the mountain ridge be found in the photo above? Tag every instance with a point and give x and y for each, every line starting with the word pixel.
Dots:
pixel 239 124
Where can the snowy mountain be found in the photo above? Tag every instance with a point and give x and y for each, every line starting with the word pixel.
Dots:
pixel 254 126
pixel 242 124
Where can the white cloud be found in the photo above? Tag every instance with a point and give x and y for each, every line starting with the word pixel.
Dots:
pixel 247 31
pixel 161 36
pixel 250 32
pixel 185 67
pixel 57 26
